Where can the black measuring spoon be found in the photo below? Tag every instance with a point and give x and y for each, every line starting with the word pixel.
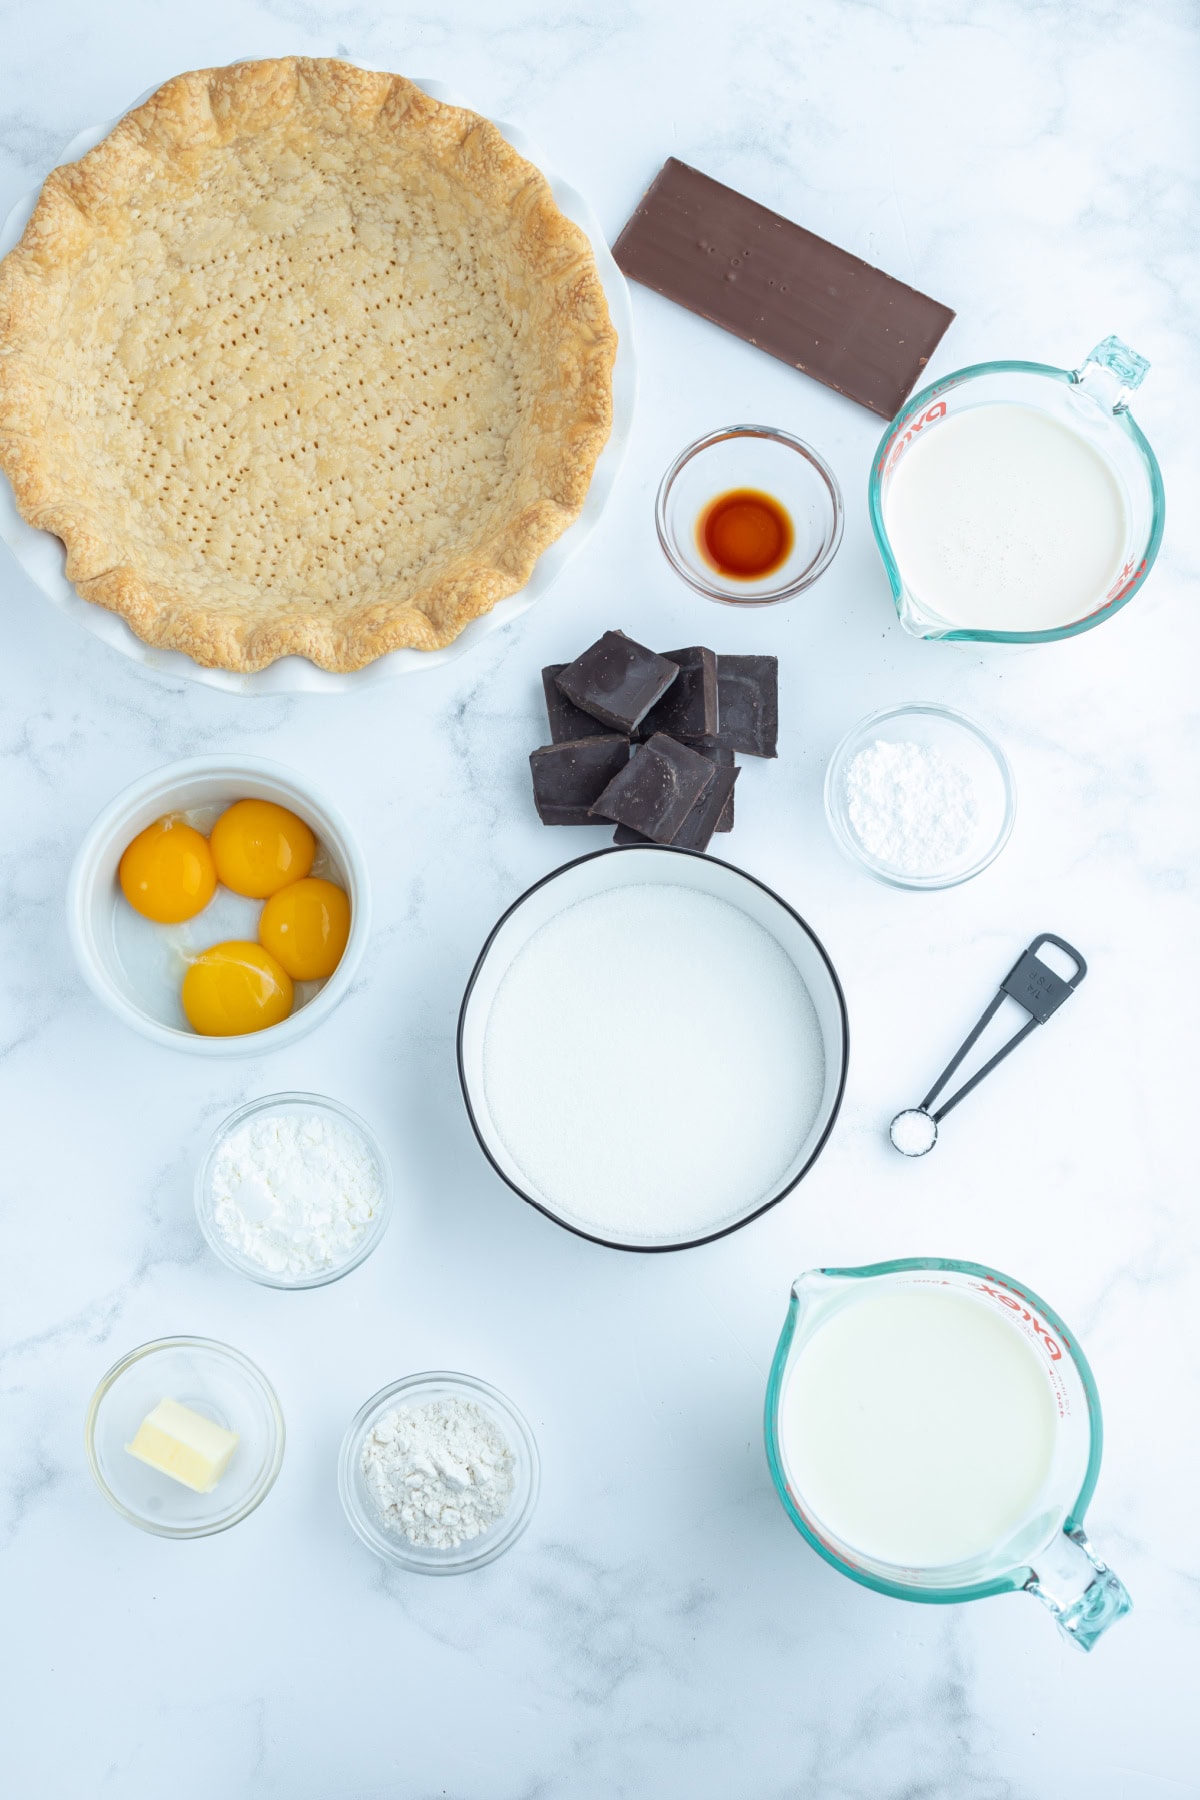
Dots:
pixel 1034 986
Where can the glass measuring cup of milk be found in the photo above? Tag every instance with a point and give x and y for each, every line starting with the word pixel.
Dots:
pixel 934 1431
pixel 1014 502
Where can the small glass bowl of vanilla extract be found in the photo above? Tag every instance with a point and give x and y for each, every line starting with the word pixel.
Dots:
pixel 749 515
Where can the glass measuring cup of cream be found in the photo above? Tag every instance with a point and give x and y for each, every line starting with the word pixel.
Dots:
pixel 1015 502
pixel 934 1432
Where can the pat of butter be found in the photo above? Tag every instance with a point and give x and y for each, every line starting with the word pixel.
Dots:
pixel 184 1445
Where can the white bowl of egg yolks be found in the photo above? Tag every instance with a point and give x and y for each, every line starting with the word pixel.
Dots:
pixel 136 967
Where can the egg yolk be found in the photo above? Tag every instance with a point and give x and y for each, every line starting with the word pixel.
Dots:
pixel 305 927
pixel 167 872
pixel 259 847
pixel 235 988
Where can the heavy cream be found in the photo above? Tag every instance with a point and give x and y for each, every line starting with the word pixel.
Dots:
pixel 1001 518
pixel 918 1426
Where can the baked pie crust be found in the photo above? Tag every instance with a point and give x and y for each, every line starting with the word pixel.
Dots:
pixel 300 361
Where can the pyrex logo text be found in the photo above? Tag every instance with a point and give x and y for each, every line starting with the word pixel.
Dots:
pixel 1049 1344
pixel 898 445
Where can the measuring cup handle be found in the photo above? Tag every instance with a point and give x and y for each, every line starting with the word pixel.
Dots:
pixel 1111 372
pixel 1081 1591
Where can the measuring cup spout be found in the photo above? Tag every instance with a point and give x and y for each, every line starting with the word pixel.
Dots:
pixel 808 1289
pixel 815 1292
pixel 1081 1591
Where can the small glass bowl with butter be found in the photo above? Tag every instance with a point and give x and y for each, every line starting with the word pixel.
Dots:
pixel 211 1385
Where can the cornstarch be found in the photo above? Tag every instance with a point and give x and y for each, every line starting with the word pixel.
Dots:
pixel 911 807
pixel 295 1193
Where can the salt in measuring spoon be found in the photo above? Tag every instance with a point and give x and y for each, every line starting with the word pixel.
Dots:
pixel 1034 986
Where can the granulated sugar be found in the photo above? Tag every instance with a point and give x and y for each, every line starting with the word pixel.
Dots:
pixel 653 1063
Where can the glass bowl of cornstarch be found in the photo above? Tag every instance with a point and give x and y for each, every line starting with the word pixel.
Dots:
pixel 294 1191
pixel 920 796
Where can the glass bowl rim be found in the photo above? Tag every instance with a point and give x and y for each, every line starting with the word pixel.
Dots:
pixel 788 590
pixel 225 1252
pixel 212 1346
pixel 848 843
pixel 470 1386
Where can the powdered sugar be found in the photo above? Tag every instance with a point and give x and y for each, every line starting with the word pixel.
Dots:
pixel 911 807
pixel 440 1473
pixel 296 1192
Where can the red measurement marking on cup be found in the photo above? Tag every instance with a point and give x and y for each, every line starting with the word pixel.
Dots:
pixel 1016 1302
pixel 894 449
pixel 1131 573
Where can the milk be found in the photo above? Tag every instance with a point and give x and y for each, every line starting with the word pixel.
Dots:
pixel 1003 519
pixel 918 1425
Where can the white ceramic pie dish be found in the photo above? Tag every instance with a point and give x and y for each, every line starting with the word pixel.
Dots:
pixel 122 966
pixel 41 555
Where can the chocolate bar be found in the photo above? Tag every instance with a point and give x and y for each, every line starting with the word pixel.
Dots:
pixel 702 821
pixel 688 709
pixel 567 722
pixel 749 703
pixel 750 270
pixel 657 789
pixel 568 777
pixel 617 680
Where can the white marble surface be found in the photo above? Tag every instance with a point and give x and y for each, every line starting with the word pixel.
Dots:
pixel 661 1630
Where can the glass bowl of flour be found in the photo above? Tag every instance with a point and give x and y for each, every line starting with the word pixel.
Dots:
pixel 920 796
pixel 439 1473
pixel 294 1191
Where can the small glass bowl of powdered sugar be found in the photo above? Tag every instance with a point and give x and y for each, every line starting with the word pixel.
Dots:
pixel 920 796
pixel 439 1473
pixel 295 1191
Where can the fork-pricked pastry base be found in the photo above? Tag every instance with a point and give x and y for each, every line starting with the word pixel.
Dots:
pixel 300 361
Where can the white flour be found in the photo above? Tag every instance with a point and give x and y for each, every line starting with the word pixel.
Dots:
pixel 295 1192
pixel 911 807
pixel 439 1473
pixel 653 1063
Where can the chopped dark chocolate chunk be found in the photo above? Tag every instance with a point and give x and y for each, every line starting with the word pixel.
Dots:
pixel 781 288
pixel 657 788
pixel 688 709
pixel 698 827
pixel 567 722
pixel 749 700
pixel 617 680
pixel 568 777
pixel 724 759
